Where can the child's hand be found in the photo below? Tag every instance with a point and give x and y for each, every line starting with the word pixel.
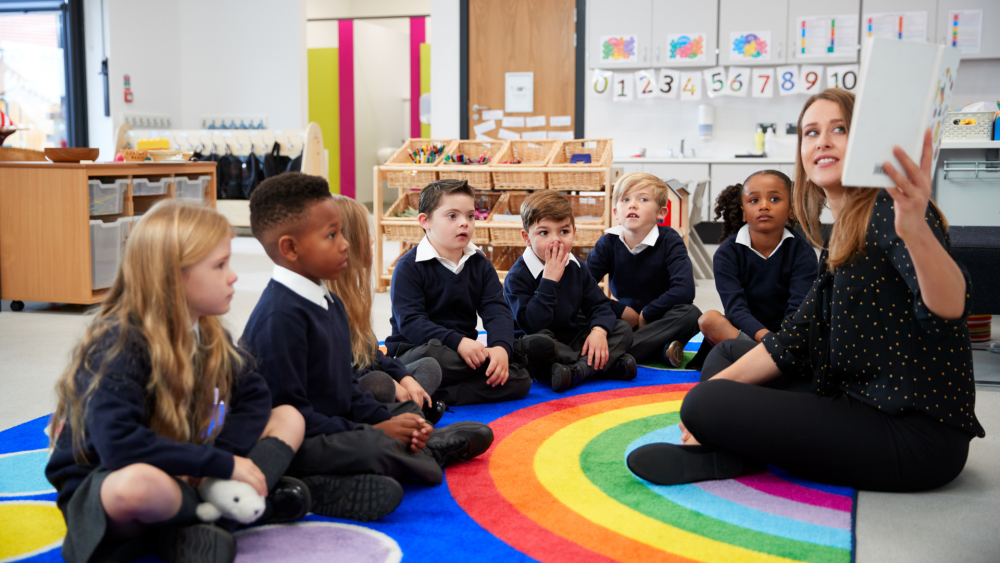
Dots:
pixel 248 472
pixel 760 334
pixel 686 437
pixel 630 316
pixel 642 321
pixel 596 349
pixel 497 373
pixel 556 258
pixel 408 428
pixel 412 391
pixel 472 352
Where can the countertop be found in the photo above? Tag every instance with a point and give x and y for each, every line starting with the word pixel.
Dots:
pixel 703 160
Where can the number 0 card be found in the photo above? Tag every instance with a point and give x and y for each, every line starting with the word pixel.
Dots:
pixel 763 83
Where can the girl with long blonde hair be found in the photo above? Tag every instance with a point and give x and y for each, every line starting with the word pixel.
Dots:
pixel 157 396
pixel 386 378
pixel 881 340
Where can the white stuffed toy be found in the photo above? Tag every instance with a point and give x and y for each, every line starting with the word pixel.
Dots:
pixel 235 500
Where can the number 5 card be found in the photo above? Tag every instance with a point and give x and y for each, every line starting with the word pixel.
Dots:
pixel 690 86
pixel 763 83
pixel 738 81
pixel 715 81
pixel 787 79
pixel 645 84
pixel 811 79
pixel 669 83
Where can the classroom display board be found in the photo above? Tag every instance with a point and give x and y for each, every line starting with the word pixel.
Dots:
pixel 737 81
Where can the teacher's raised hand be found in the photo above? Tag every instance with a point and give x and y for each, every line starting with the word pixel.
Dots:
pixel 912 191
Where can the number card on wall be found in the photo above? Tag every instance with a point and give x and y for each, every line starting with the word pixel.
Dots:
pixel 843 76
pixel 600 83
pixel 690 86
pixel 763 83
pixel 738 81
pixel 715 81
pixel 787 79
pixel 619 49
pixel 687 47
pixel 622 86
pixel 750 46
pixel 811 79
pixel 645 84
pixel 669 83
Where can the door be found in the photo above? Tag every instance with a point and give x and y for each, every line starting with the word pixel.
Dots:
pixel 677 23
pixel 534 36
pixel 620 19
pixel 753 33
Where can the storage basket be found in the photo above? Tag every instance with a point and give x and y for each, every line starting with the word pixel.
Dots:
pixel 478 179
pixel 413 175
pixel 532 154
pixel 145 186
pixel 507 233
pixel 404 247
pixel 591 218
pixel 403 229
pixel 591 176
pixel 502 258
pixel 588 211
pixel 191 189
pixel 482 233
pixel 106 243
pixel 982 130
pixel 106 197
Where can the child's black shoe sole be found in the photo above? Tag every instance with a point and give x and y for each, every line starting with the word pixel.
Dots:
pixel 201 543
pixel 667 464
pixel 354 497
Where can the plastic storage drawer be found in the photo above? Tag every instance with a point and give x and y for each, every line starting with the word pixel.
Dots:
pixel 106 199
pixel 144 186
pixel 191 189
pixel 106 250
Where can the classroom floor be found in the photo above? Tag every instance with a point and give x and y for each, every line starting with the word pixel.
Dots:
pixel 957 522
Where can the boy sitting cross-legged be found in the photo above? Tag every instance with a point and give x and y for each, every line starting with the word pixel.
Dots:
pixel 355 447
pixel 437 290
pixel 558 306
pixel 650 271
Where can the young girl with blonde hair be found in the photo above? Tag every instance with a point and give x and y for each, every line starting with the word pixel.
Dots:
pixel 881 338
pixel 157 397
pixel 387 379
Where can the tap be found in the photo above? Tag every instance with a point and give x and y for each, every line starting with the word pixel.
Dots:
pixel 682 148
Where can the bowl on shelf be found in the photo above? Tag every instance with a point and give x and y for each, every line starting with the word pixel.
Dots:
pixel 169 155
pixel 71 154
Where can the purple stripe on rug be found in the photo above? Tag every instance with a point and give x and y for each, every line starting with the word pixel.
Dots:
pixel 749 497
pixel 772 485
pixel 315 542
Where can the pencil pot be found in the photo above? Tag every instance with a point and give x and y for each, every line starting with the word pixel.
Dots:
pixel 400 221
pixel 412 174
pixel 520 154
pixel 968 126
pixel 591 156
pixel 480 152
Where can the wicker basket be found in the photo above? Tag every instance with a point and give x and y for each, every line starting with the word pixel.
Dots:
pixel 591 176
pixel 414 175
pixel 404 247
pixel 502 258
pixel 478 179
pixel 403 229
pixel 508 233
pixel 482 233
pixel 532 154
pixel 982 130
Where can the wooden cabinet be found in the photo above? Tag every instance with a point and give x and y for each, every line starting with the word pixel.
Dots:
pixel 990 41
pixel 805 8
pixel 619 18
pixel 766 18
pixel 673 17
pixel 45 248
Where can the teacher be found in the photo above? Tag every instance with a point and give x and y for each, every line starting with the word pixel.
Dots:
pixel 870 384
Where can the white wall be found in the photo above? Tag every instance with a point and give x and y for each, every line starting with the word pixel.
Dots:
pixel 366 8
pixel 445 79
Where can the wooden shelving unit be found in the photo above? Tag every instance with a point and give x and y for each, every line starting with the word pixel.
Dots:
pixel 611 173
pixel 45 252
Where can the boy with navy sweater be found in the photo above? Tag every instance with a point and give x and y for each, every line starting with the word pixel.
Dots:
pixel 560 306
pixel 650 271
pixel 437 290
pixel 355 447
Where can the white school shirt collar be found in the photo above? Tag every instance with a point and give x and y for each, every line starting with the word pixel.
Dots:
pixel 646 242
pixel 535 265
pixel 426 251
pixel 743 237
pixel 302 286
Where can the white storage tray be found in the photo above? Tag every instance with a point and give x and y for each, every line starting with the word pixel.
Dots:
pixel 106 242
pixel 144 186
pixel 106 199
pixel 191 189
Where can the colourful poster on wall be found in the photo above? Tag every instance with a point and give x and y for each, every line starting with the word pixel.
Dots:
pixel 966 30
pixel 619 49
pixel 827 36
pixel 750 46
pixel 904 26
pixel 689 47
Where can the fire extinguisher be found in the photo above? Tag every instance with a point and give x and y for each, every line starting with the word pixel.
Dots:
pixel 128 90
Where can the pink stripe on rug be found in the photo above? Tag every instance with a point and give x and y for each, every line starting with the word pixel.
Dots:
pixel 345 55
pixel 750 497
pixel 417 36
pixel 772 485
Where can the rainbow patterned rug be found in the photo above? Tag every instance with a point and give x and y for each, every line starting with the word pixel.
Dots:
pixel 554 488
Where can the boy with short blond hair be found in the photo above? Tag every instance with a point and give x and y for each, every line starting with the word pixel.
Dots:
pixel 438 289
pixel 650 272
pixel 570 333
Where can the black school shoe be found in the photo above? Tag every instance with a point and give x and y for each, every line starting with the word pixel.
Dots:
pixel 201 543
pixel 537 352
pixel 459 441
pixel 289 501
pixel 434 411
pixel 668 464
pixel 625 369
pixel 354 497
